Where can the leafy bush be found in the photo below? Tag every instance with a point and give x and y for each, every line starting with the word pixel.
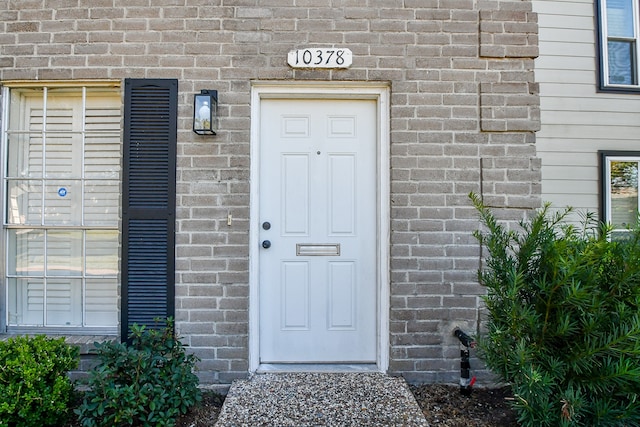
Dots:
pixel 149 382
pixel 564 319
pixel 34 387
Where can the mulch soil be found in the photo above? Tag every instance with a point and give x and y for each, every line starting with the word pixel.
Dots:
pixel 444 405
pixel 205 413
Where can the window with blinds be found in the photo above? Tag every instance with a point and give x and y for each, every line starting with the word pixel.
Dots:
pixel 62 201
pixel 619 44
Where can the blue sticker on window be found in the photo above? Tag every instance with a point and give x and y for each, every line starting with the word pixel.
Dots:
pixel 62 191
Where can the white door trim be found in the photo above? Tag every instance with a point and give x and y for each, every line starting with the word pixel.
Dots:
pixel 318 90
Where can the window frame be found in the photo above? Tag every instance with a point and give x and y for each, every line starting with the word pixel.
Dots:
pixel 602 51
pixel 5 324
pixel 606 157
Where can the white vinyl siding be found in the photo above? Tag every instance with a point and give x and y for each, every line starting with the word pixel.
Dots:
pixel 576 119
pixel 62 177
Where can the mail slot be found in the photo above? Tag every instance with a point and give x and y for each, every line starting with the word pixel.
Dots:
pixel 318 249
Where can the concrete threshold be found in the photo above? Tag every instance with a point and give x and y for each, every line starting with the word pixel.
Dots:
pixel 316 367
pixel 305 399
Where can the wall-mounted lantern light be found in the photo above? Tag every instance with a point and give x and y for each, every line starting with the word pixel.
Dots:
pixel 205 112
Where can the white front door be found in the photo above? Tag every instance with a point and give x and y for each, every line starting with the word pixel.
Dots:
pixel 317 264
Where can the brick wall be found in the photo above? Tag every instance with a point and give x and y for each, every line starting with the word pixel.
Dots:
pixel 464 107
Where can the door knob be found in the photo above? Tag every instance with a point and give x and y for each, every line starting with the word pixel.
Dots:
pixel 266 244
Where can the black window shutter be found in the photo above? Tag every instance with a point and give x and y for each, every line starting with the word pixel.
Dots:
pixel 149 201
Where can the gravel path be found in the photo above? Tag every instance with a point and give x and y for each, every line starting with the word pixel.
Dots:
pixel 320 399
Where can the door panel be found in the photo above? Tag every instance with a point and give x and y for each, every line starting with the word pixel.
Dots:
pixel 295 194
pixel 342 289
pixel 342 187
pixel 295 296
pixel 318 287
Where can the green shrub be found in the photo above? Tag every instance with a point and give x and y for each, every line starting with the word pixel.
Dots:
pixel 564 319
pixel 34 387
pixel 149 382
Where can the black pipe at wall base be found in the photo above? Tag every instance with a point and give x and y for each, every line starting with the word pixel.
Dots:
pixel 466 381
pixel 465 339
pixel 465 373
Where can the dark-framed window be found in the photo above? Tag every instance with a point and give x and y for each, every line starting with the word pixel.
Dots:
pixel 618 41
pixel 619 189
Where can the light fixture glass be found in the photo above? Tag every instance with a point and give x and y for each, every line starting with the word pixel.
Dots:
pixel 205 112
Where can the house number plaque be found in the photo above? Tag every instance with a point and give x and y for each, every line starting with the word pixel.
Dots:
pixel 320 57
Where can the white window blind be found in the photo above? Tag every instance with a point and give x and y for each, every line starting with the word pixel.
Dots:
pixel 63 153
pixel 619 43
